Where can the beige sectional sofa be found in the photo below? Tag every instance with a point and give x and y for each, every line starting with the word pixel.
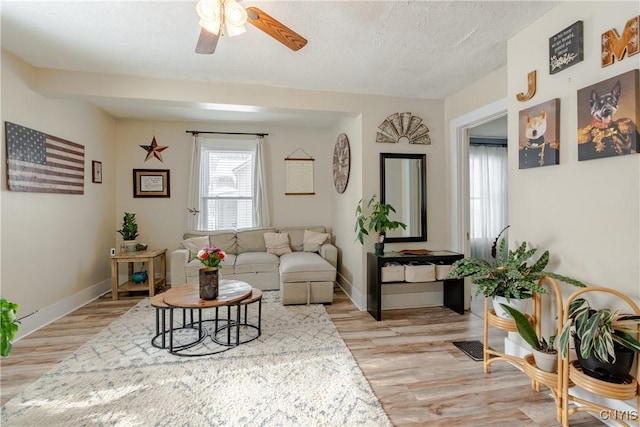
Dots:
pixel 301 276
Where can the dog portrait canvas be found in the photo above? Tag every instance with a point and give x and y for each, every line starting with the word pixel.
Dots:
pixel 608 116
pixel 539 135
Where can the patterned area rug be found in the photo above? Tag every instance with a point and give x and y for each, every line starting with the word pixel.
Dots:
pixel 299 372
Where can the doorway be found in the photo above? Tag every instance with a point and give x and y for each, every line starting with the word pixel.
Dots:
pixel 488 185
pixel 459 178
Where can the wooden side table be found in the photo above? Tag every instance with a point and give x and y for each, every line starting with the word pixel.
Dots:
pixel 149 256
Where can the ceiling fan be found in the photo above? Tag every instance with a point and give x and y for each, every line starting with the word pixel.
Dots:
pixel 227 17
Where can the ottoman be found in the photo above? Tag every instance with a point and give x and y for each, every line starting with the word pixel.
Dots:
pixel 306 278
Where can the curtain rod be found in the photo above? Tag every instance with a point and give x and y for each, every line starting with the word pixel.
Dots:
pixel 486 144
pixel 196 132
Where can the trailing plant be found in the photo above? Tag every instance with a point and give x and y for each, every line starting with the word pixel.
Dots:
pixel 377 220
pixel 598 330
pixel 8 325
pixel 511 274
pixel 528 333
pixel 129 230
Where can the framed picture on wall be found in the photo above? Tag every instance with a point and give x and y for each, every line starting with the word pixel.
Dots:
pixel 96 172
pixel 151 183
pixel 539 135
pixel 608 116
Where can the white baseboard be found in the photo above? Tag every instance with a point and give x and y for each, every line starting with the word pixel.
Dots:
pixel 61 308
pixel 354 295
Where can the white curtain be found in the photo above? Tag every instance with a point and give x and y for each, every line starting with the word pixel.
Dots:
pixel 260 197
pixel 193 197
pixel 488 192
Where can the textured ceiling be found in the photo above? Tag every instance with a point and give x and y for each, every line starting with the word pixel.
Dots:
pixel 425 49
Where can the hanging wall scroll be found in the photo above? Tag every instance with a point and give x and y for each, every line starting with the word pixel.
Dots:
pixel 299 175
pixel 403 125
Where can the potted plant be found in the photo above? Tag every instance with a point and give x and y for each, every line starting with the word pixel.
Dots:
pixel 377 220
pixel 129 231
pixel 544 353
pixel 606 341
pixel 511 276
pixel 8 325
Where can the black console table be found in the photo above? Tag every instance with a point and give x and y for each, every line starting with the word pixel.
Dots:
pixel 453 289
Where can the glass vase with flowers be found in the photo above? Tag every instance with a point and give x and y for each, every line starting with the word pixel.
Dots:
pixel 211 257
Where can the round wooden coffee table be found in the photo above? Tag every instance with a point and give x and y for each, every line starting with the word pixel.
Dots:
pixel 187 297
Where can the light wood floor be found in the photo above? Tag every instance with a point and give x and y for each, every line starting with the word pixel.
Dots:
pixel 420 378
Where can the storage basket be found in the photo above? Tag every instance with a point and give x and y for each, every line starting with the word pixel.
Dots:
pixel 420 272
pixel 392 272
pixel 442 271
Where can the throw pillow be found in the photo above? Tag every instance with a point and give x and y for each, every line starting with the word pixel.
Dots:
pixel 194 245
pixel 312 240
pixel 277 243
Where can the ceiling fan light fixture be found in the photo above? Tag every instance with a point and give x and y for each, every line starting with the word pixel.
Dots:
pixel 234 14
pixel 211 26
pixel 208 9
pixel 235 30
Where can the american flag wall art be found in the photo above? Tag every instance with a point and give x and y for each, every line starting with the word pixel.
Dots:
pixel 43 163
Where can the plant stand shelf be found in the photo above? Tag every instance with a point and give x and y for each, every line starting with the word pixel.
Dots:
pixel 573 375
pixel 508 325
pixel 625 391
pixel 552 380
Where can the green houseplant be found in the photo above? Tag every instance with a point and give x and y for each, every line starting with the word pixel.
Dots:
pixel 8 325
pixel 511 275
pixel 129 230
pixel 377 220
pixel 605 340
pixel 544 353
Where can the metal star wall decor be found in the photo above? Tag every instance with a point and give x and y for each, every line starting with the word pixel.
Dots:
pixel 153 150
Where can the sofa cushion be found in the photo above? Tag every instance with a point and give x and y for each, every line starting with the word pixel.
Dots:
pixel 256 262
pixel 225 240
pixel 194 244
pixel 305 266
pixel 252 239
pixel 313 240
pixel 296 235
pixel 277 243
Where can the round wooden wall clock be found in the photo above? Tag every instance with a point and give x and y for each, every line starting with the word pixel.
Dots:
pixel 341 163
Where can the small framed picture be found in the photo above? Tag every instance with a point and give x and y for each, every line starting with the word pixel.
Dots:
pixel 96 172
pixel 151 183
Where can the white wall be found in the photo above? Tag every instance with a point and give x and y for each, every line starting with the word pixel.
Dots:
pixel 55 247
pixel 586 213
pixel 162 222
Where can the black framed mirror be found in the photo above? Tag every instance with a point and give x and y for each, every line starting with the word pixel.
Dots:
pixel 403 185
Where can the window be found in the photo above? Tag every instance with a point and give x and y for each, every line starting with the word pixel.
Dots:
pixel 488 196
pixel 226 188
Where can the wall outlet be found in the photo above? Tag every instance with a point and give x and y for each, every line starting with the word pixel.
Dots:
pixel 113 251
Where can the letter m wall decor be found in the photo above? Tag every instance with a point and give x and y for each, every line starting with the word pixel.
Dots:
pixel 42 163
pixel 615 47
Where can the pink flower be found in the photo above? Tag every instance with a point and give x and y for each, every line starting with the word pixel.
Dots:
pixel 211 256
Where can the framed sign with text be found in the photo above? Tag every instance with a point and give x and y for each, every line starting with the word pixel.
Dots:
pixel 566 48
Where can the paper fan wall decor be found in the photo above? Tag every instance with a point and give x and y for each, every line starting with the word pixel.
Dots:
pixel 399 125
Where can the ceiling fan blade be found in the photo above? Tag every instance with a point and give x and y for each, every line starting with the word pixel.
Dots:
pixel 207 42
pixel 275 29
